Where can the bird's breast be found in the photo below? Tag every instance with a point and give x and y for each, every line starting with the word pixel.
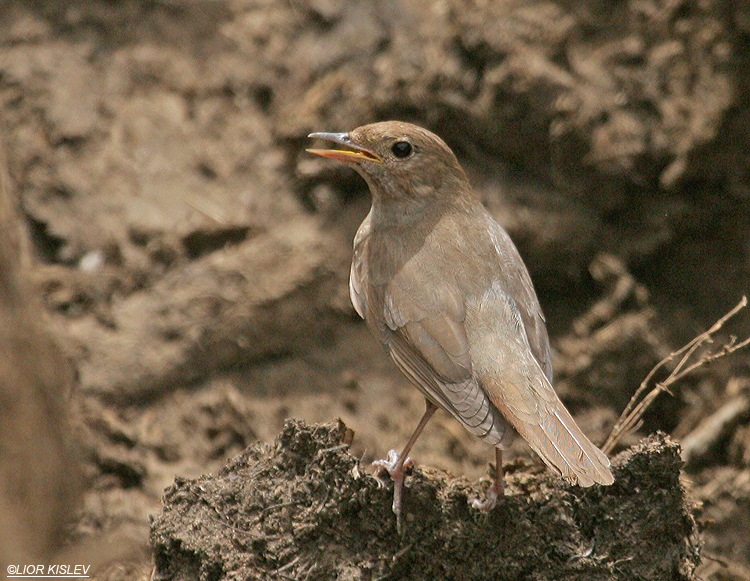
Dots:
pixel 427 270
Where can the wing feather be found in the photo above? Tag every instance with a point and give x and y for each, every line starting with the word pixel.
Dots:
pixel 358 272
pixel 519 286
pixel 464 399
pixel 517 385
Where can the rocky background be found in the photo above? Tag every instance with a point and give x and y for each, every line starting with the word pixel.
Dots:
pixel 187 261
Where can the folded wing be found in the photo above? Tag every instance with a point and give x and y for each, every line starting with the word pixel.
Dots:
pixel 517 385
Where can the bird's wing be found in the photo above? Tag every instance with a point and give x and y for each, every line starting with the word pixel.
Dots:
pixel 428 343
pixel 515 382
pixel 518 283
pixel 358 272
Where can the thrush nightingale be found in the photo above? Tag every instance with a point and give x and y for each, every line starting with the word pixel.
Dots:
pixel 443 288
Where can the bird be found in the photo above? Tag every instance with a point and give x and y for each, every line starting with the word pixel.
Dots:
pixel 443 288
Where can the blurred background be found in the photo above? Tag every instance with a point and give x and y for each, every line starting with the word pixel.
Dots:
pixel 173 266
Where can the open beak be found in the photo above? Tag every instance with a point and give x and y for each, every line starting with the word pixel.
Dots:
pixel 356 154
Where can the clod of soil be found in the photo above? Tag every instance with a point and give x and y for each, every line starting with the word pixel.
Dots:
pixel 305 508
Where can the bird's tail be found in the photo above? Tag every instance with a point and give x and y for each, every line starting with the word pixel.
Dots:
pixel 553 434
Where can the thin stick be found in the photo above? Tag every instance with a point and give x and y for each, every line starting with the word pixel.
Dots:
pixel 631 417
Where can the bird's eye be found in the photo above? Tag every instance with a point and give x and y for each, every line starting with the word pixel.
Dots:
pixel 401 149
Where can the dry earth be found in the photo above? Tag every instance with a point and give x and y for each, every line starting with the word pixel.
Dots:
pixel 191 260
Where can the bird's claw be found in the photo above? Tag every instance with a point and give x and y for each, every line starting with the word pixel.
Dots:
pixel 488 503
pixel 390 465
pixel 490 500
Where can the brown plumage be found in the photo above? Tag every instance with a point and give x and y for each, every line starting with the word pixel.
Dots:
pixel 444 289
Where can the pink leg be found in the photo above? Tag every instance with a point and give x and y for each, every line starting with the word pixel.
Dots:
pixel 396 464
pixel 496 490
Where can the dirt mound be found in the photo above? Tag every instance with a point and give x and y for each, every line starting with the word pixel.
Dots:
pixel 305 508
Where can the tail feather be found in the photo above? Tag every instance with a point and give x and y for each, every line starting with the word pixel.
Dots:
pixel 576 456
pixel 558 440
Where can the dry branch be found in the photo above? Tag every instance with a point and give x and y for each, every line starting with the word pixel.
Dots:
pixel 631 417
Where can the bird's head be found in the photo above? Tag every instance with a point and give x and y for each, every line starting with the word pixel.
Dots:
pixel 398 160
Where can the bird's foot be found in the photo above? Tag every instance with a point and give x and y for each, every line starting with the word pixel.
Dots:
pixel 392 466
pixel 490 501
pixel 396 468
pixel 487 503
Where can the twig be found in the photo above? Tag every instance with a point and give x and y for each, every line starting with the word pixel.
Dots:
pixel 631 417
pixel 332 449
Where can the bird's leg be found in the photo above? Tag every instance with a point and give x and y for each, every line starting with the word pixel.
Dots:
pixel 498 486
pixel 396 464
